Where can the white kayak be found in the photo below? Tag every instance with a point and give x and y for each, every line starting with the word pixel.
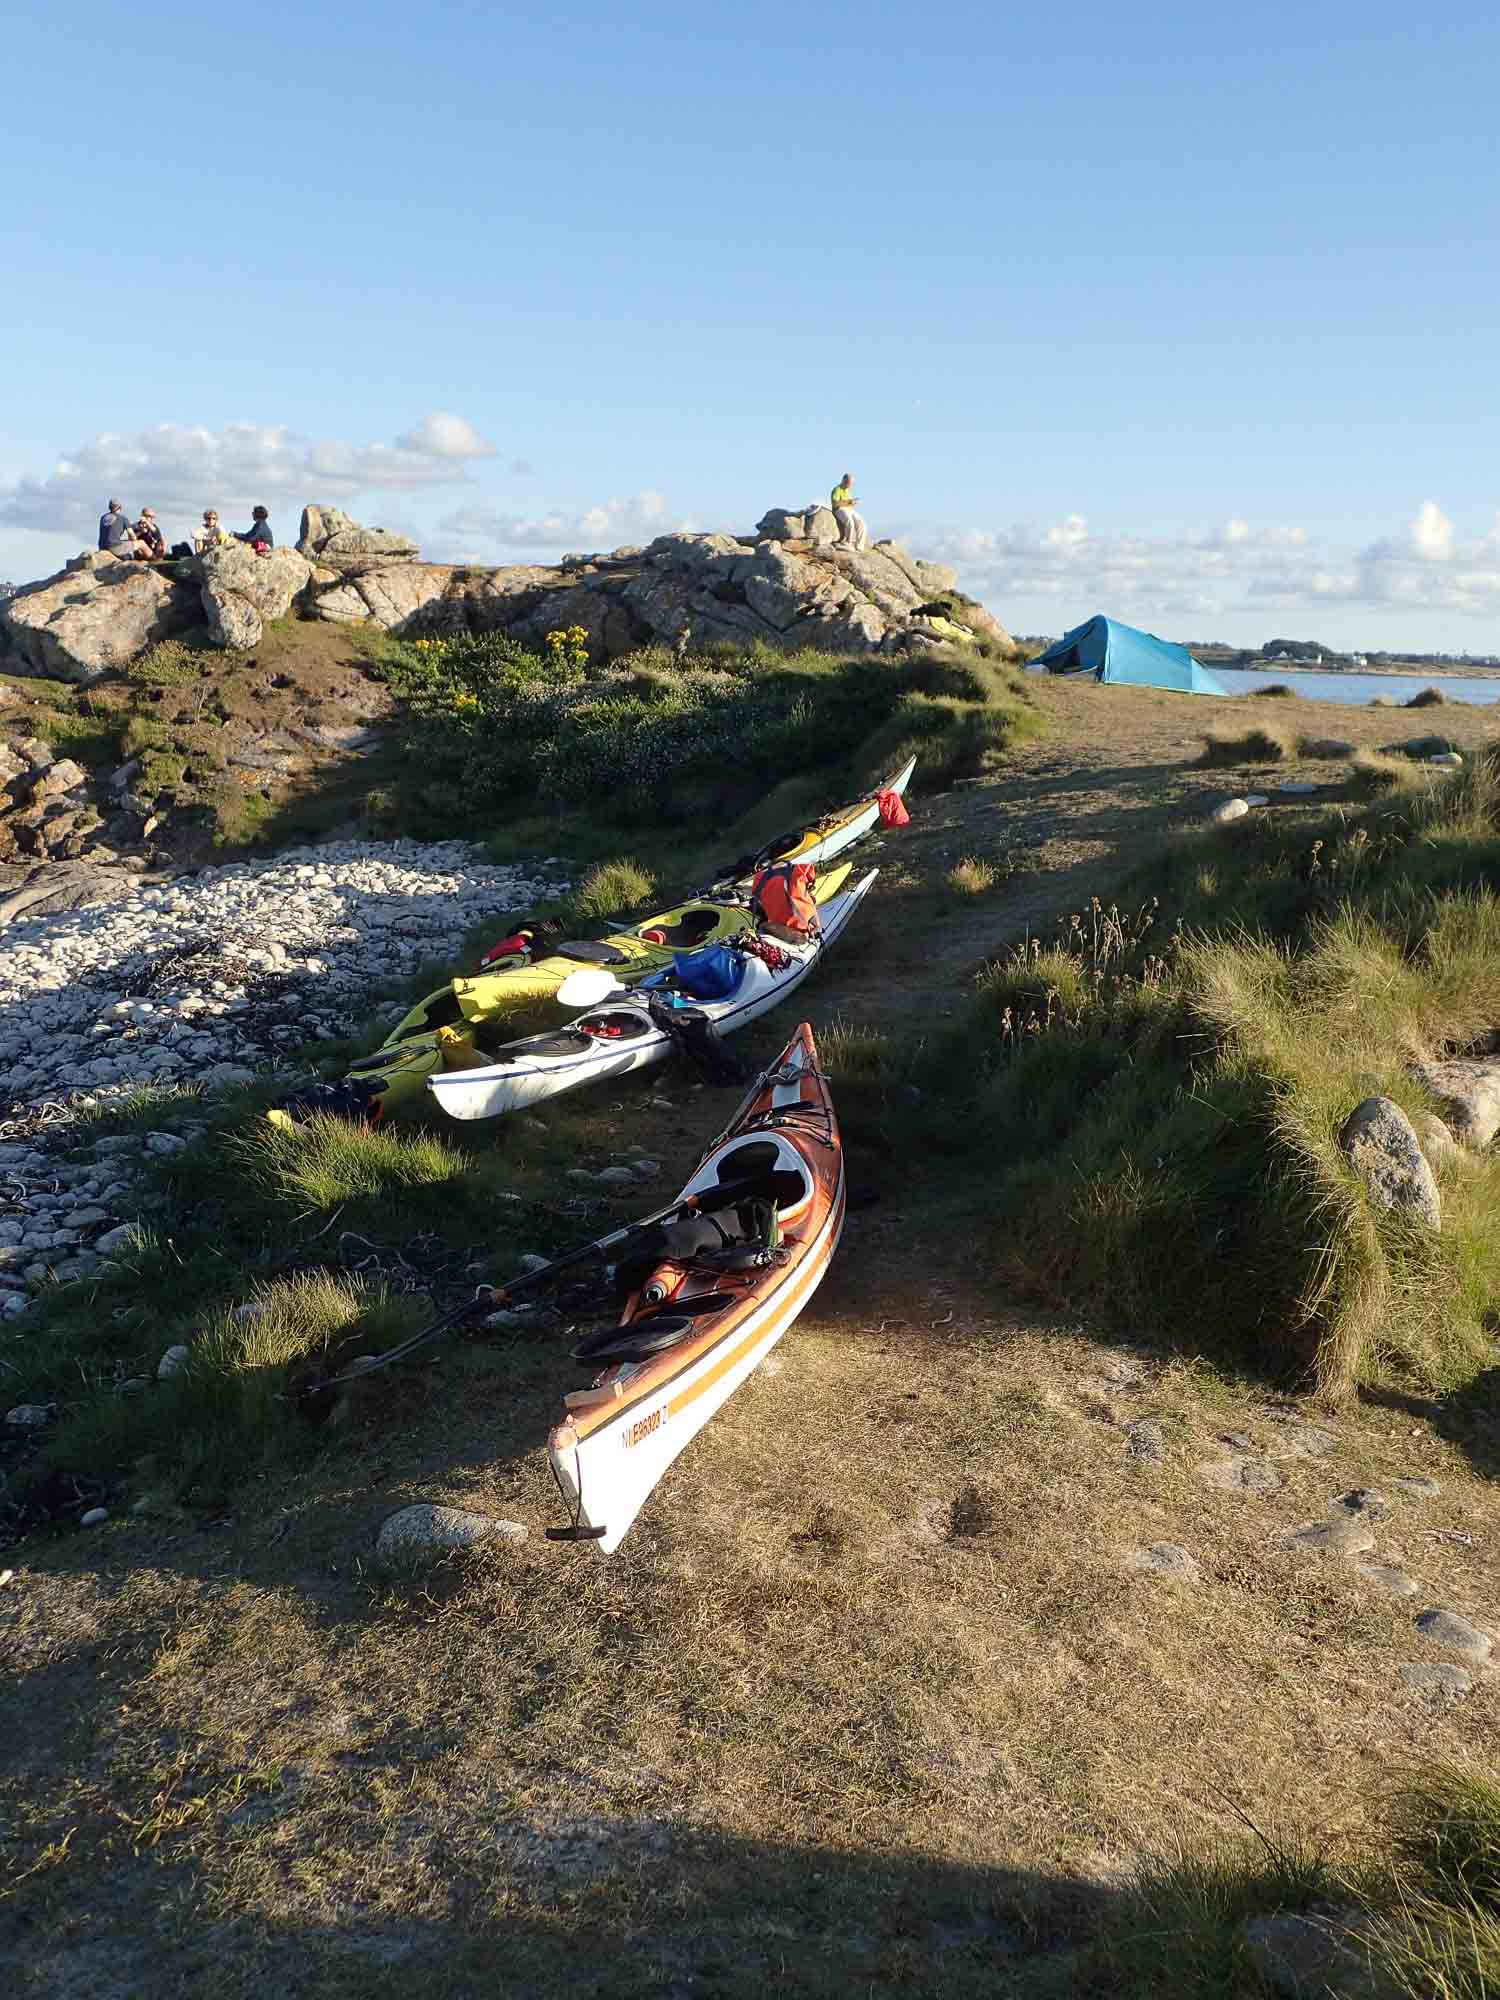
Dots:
pixel 619 1036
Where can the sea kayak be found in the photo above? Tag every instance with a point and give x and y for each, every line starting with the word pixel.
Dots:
pixel 768 1197
pixel 625 1033
pixel 823 838
pixel 443 1030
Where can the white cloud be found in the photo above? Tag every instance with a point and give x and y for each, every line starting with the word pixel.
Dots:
pixel 445 436
pixel 1432 533
pixel 179 469
pixel 1237 566
pixel 608 524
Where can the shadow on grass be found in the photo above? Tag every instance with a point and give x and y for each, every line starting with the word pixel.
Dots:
pixel 1468 1417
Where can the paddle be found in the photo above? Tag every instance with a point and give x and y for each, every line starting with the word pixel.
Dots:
pixel 498 1296
pixel 587 987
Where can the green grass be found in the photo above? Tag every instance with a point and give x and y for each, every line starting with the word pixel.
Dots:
pixel 1161 1092
pixel 1420 1907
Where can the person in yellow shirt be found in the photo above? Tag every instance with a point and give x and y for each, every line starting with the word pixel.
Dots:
pixel 211 535
pixel 853 534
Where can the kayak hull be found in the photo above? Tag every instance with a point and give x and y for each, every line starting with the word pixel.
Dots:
pixel 618 1438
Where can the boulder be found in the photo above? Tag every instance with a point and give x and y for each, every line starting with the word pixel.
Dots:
pixel 333 539
pixel 241 590
pixel 1378 1140
pixel 1436 1141
pixel 1469 1092
pixel 94 616
pixel 415 1532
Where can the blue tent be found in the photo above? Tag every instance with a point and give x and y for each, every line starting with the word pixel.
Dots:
pixel 1111 651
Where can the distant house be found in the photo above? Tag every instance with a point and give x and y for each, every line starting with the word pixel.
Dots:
pixel 1358 660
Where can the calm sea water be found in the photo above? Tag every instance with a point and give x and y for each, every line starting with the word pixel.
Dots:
pixel 1361 688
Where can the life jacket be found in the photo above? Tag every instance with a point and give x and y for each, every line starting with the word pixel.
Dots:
pixel 781 900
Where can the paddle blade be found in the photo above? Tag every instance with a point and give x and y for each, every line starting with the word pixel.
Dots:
pixel 587 987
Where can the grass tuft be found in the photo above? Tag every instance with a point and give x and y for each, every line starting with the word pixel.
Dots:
pixel 1277 691
pixel 971 876
pixel 1263 744
pixel 609 887
pixel 1427 697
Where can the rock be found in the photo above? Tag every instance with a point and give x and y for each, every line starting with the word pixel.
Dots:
pixel 1227 810
pixel 1345 1535
pixel 646 1170
pixel 1316 1955
pixel 173 1362
pixel 332 538
pixel 1446 1628
pixel 115 1240
pixel 616 1177
pixel 93 1517
pixel 62 775
pixel 1440 1679
pixel 530 1261
pixel 424 1529
pixel 1166 1559
pixel 1418 1487
pixel 1296 789
pixel 1385 1577
pixel 162 1144
pixel 1243 1475
pixel 1144 1441
pixel 94 616
pixel 227 1076
pixel 1326 746
pixel 30 1416
pixel 1378 1140
pixel 1305 1440
pixel 1469 1092
pixel 1436 1141
pixel 1364 1503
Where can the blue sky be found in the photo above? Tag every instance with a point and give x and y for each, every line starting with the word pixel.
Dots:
pixel 1185 314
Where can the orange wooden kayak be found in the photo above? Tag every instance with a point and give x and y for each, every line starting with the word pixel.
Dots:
pixel 709 1297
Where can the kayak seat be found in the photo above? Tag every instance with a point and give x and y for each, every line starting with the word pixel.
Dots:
pixel 638 1340
pixel 590 951
pixel 690 929
pixel 783 1185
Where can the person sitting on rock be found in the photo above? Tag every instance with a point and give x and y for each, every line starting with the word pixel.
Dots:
pixel 211 535
pixel 117 535
pixel 853 534
pixel 259 530
pixel 150 536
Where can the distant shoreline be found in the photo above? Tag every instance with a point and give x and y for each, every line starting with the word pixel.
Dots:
pixel 1395 673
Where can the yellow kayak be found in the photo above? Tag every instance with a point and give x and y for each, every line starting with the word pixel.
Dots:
pixel 437 1033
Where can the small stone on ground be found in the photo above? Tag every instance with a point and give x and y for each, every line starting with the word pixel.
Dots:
pixel 1166 1559
pixel 1243 1475
pixel 1447 1628
pixel 1442 1679
pixel 1346 1535
pixel 422 1528
pixel 1419 1489
pixel 1385 1577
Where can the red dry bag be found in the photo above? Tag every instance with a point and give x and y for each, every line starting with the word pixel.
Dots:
pixel 892 812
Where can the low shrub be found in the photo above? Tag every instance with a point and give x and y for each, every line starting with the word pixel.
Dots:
pixel 499 731
pixel 1427 697
pixel 1276 691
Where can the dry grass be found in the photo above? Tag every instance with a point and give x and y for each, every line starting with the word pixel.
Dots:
pixel 1261 745
pixel 972 877
pixel 1427 697
pixel 1377 771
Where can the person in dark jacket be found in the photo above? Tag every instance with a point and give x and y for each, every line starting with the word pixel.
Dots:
pixel 259 529
pixel 150 536
pixel 116 533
